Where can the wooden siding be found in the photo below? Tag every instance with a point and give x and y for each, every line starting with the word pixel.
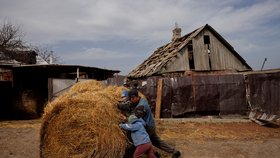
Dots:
pixel 201 59
pixel 222 58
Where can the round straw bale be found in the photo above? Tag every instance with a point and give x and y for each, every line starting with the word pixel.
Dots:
pixel 83 123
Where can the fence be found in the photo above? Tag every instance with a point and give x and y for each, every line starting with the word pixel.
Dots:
pixel 213 94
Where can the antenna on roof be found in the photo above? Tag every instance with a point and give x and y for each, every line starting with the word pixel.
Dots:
pixel 263 63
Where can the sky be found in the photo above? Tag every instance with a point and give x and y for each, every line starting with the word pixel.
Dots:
pixel 121 34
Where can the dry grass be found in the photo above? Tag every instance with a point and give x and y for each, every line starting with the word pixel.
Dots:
pixel 19 124
pixel 84 123
pixel 195 131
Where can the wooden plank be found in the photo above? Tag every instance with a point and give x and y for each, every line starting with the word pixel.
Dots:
pixel 158 99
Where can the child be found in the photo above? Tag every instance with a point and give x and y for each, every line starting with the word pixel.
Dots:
pixel 140 137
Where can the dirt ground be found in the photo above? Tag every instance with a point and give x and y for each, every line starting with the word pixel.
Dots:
pixel 195 138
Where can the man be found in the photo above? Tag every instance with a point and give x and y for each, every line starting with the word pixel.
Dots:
pixel 141 108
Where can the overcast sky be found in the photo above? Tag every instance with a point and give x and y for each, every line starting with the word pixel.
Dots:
pixel 121 34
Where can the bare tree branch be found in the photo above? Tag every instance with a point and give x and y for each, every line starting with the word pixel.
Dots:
pixel 11 37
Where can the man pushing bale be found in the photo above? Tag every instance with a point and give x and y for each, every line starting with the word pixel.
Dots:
pixel 140 107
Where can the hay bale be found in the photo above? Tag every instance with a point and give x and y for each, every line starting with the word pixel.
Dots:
pixel 83 123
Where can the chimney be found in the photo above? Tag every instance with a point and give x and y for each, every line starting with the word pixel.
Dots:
pixel 176 32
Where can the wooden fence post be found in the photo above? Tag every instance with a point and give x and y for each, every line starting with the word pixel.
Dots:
pixel 158 99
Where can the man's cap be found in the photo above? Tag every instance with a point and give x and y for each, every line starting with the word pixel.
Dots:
pixel 124 93
pixel 133 93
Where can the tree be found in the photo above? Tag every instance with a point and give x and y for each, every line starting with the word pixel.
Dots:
pixel 11 37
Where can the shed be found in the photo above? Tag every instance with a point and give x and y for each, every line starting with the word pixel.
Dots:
pixel 25 87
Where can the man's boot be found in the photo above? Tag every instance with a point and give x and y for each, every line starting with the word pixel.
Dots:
pixel 157 154
pixel 176 154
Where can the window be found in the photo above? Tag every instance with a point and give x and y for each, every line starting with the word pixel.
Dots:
pixel 206 39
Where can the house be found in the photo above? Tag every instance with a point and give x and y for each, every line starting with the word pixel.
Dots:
pixel 194 74
pixel 203 49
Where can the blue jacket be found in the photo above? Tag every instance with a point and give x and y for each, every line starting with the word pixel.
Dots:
pixel 138 132
pixel 148 118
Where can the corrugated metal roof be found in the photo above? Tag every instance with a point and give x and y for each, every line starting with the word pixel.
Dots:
pixel 164 54
pixel 60 68
pixel 52 70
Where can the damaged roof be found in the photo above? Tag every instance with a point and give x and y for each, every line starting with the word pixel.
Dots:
pixel 164 54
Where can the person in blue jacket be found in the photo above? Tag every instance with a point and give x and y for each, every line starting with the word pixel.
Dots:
pixel 141 108
pixel 140 137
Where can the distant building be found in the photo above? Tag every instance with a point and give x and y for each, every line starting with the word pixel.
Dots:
pixel 17 57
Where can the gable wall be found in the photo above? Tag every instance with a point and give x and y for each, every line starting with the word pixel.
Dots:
pixel 221 58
